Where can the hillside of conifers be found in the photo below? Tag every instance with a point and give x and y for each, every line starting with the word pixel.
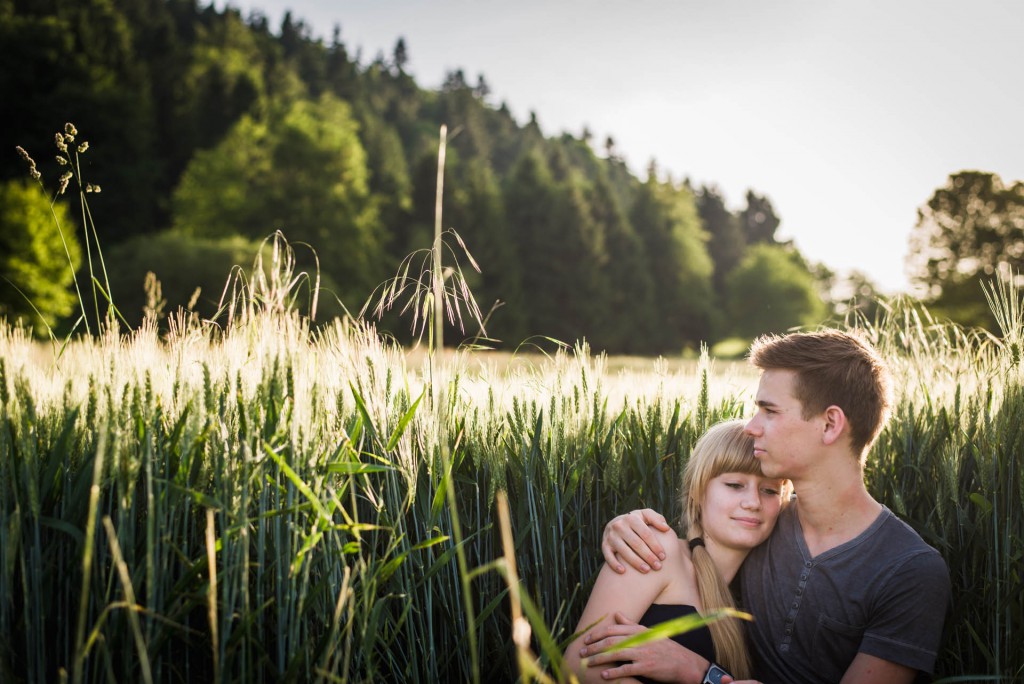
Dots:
pixel 203 132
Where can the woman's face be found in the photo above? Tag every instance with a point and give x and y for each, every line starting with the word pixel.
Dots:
pixel 740 510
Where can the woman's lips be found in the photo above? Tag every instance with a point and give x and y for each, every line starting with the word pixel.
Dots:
pixel 749 522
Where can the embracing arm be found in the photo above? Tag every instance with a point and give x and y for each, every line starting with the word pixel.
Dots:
pixel 663 660
pixel 630 594
pixel 615 606
pixel 632 538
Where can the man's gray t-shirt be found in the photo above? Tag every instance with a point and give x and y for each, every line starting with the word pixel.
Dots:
pixel 884 593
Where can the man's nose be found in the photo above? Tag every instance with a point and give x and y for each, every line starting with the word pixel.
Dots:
pixel 753 427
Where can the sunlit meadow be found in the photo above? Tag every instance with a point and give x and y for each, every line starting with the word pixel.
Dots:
pixel 271 502
pixel 265 499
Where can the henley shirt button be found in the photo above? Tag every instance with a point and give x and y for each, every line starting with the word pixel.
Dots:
pixel 808 564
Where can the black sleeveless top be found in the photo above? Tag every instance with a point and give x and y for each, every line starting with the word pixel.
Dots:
pixel 697 640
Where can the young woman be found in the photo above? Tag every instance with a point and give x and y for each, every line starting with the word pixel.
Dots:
pixel 728 509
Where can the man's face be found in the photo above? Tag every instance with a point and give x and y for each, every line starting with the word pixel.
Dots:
pixel 783 440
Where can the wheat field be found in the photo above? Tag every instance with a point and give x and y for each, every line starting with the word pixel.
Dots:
pixel 271 501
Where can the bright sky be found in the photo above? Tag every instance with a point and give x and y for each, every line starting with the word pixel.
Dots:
pixel 846 114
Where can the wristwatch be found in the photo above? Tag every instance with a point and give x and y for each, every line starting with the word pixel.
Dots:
pixel 714 675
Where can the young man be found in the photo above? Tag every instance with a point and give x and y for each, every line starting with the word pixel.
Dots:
pixel 843 591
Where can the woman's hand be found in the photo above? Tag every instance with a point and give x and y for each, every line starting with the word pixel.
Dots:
pixel 628 538
pixel 663 660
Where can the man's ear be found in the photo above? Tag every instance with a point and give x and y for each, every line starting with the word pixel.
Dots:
pixel 835 424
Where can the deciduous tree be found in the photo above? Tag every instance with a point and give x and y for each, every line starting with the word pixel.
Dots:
pixel 971 228
pixel 35 247
pixel 303 171
pixel 771 291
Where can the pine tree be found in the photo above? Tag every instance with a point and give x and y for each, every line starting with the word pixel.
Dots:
pixel 758 220
pixel 474 207
pixel 75 61
pixel 400 55
pixel 726 241
pixel 532 207
pixel 628 302
pixel 666 220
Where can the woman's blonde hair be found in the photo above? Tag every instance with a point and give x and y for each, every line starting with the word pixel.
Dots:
pixel 724 448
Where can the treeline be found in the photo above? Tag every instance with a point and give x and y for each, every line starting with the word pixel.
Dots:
pixel 208 131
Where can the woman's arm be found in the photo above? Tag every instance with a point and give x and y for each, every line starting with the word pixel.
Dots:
pixel 630 594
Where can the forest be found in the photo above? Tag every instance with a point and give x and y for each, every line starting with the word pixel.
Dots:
pixel 206 132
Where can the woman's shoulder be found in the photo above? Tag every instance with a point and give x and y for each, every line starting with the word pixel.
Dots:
pixel 677 551
pixel 678 567
pixel 669 539
pixel 675 548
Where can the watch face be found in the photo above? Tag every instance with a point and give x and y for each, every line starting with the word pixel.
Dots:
pixel 714 675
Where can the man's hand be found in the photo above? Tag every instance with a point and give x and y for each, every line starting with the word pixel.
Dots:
pixel 627 538
pixel 663 660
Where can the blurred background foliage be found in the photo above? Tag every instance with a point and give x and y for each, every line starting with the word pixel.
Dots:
pixel 223 129
pixel 36 261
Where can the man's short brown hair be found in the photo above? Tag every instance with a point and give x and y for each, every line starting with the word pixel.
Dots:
pixel 833 368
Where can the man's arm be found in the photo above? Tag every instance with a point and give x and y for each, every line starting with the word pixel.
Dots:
pixel 663 660
pixel 630 594
pixel 630 539
pixel 906 626
pixel 867 669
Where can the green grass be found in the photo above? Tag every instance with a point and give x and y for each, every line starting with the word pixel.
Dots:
pixel 269 503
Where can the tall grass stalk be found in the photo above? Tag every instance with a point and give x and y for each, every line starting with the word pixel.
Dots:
pixel 436 290
pixel 87 558
pixel 130 603
pixel 211 559
pixel 438 279
pixel 521 630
